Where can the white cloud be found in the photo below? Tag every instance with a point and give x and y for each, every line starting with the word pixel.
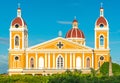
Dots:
pixel 115 42
pixel 64 22
pixel 3 63
pixel 3 59
pixel 4 40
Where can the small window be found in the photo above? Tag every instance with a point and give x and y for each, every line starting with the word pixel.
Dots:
pixel 101 40
pixel 16 25
pixel 16 58
pixel 16 41
pixel 101 25
pixel 31 63
pixel 101 58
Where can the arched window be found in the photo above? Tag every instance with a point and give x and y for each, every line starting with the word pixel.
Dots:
pixel 88 63
pixel 16 41
pixel 78 63
pixel 101 40
pixel 101 25
pixel 31 63
pixel 60 62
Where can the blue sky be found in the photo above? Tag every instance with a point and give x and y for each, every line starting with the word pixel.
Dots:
pixel 45 18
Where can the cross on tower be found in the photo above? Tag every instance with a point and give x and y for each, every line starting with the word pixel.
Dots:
pixel 59 44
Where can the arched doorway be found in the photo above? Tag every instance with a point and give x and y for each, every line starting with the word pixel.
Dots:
pixel 78 63
pixel 41 63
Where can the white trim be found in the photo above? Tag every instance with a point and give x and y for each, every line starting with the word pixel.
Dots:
pixel 60 38
pixel 65 60
pixel 83 59
pixel 23 42
pixel 53 60
pixel 49 60
pixel 15 70
pixel 92 60
pixel 36 60
pixel 95 40
pixel 18 29
pixel 10 40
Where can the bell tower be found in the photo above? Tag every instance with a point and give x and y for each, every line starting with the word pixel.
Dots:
pixel 101 50
pixel 101 32
pixel 18 43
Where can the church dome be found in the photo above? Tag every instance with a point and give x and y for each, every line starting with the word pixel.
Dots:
pixel 101 20
pixel 75 32
pixel 19 21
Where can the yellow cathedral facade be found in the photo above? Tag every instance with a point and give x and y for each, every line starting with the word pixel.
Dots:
pixel 59 54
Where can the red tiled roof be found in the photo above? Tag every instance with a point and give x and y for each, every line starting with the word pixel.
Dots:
pixel 101 20
pixel 75 33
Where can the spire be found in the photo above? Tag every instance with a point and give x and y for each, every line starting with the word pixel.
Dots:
pixel 60 33
pixel 101 10
pixel 75 23
pixel 18 11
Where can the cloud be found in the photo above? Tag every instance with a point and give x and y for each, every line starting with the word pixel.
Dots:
pixel 64 22
pixel 115 42
pixel 3 63
pixel 4 41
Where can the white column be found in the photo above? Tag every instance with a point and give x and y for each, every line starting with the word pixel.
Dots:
pixel 92 60
pixel 10 40
pixel 83 60
pixel 70 60
pixel 49 60
pixel 45 60
pixel 74 60
pixel 65 60
pixel 53 60
pixel 26 60
pixel 36 60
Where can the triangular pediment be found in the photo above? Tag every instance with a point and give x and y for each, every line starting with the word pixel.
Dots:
pixel 59 43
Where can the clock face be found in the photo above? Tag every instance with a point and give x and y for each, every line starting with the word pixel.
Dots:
pixel 101 58
pixel 16 25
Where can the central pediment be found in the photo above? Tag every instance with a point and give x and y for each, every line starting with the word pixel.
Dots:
pixel 59 43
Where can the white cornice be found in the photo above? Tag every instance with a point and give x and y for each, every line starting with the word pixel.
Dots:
pixel 18 29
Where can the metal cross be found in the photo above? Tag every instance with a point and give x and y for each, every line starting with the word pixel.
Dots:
pixel 59 44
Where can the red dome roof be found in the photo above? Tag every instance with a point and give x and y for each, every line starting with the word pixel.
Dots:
pixel 101 20
pixel 75 33
pixel 19 21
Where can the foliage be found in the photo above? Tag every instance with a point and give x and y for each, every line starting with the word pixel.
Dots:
pixel 105 68
pixel 68 77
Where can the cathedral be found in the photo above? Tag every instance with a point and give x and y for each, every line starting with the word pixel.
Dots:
pixel 59 54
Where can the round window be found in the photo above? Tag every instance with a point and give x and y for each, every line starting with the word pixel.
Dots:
pixel 16 57
pixel 101 58
pixel 16 26
pixel 101 25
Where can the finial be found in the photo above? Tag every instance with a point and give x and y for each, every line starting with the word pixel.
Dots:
pixel 18 5
pixel 101 4
pixel 60 33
